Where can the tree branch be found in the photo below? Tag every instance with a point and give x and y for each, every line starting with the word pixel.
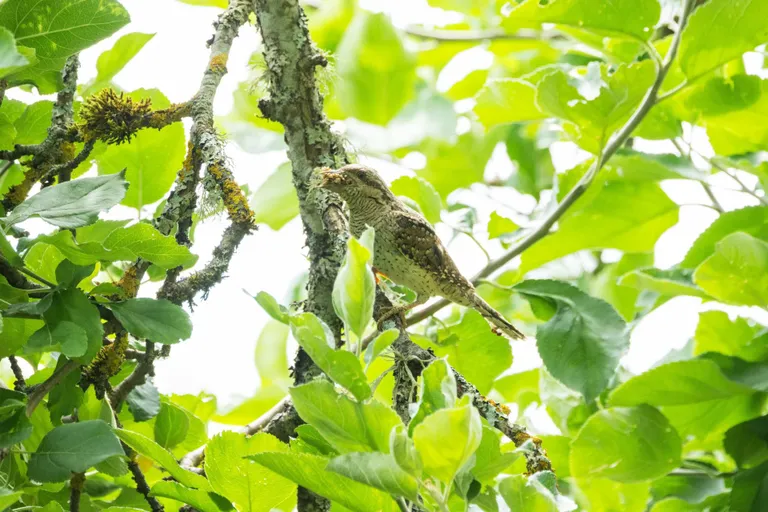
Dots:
pixel 76 483
pixel 38 393
pixel 615 142
pixel 20 384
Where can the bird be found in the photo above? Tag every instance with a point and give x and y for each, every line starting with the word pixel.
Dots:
pixel 406 248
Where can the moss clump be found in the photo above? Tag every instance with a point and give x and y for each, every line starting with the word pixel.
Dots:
pixel 112 117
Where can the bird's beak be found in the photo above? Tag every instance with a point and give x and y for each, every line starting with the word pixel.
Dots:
pixel 330 177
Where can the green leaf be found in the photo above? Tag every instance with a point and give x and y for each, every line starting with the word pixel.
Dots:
pixel 428 116
pixel 222 4
pixel 474 350
pixel 350 426
pixel 422 192
pixel 171 425
pixel 752 220
pixel 56 29
pixel 15 427
pixel 610 288
pixel 590 120
pixel 340 365
pixel 162 457
pixel 272 307
pixel 152 158
pixel 717 333
pixel 720 31
pixel 507 100
pixel 737 273
pixel 32 126
pixel 499 226
pixel 447 439
pixel 271 358
pixel 67 337
pixel 534 164
pixel 73 204
pixel 201 500
pixel 750 488
pixel 582 343
pixel 626 445
pixel 111 241
pixel 309 471
pixel 489 460
pixel 377 470
pixel 69 275
pixel 603 495
pixel 376 72
pixel 379 344
pixel 667 283
pixel 73 447
pixel 592 223
pixel 521 493
pixel 726 131
pixel 72 308
pixel 519 388
pixel 113 60
pixel 250 486
pixel 603 17
pixel 457 164
pixel 354 289
pixel 144 402
pixel 437 390
pixel 747 442
pixel 678 383
pixel 158 320
pixel 10 57
pixel 274 202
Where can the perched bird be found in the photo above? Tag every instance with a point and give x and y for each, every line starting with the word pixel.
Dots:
pixel 407 249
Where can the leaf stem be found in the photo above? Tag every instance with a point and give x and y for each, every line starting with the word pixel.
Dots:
pixel 615 142
pixel 39 392
pixel 26 271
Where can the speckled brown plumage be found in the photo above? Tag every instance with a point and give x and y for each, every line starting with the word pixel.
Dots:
pixel 407 249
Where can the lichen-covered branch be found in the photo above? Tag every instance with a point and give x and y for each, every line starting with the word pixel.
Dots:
pixel 55 149
pixel 295 101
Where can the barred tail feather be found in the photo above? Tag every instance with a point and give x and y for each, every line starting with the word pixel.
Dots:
pixel 496 319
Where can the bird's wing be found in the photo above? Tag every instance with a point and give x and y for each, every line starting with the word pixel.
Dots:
pixel 416 239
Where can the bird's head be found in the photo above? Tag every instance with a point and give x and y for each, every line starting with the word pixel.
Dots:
pixel 355 181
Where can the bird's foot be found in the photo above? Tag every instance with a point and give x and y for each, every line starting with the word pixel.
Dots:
pixel 391 312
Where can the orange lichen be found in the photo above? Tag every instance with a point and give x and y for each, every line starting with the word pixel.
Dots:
pixel 189 161
pixel 218 63
pixel 108 361
pixel 234 200
pixel 173 114
pixel 130 282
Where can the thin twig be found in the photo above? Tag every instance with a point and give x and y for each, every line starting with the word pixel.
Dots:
pixel 76 484
pixel 39 392
pixel 36 277
pixel 141 483
pixel 137 377
pixel 616 141
pixel 707 188
pixel 20 384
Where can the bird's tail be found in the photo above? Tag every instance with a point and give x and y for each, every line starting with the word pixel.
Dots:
pixel 496 319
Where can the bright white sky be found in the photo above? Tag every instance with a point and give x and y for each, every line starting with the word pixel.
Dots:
pixel 219 356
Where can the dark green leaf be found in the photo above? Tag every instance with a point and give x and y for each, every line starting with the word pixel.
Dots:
pixel 582 344
pixel 56 29
pixel 747 442
pixel 750 490
pixel 73 204
pixel 32 125
pixel 64 336
pixel 74 447
pixel 158 320
pixel 10 57
pixel 144 402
